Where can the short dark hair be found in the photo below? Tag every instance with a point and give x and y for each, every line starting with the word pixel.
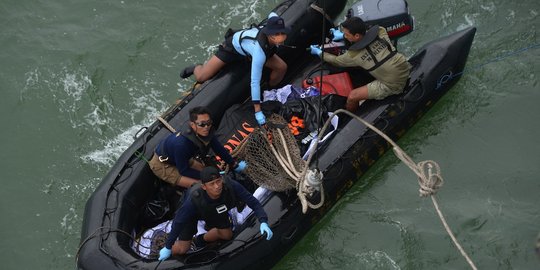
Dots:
pixel 355 25
pixel 196 111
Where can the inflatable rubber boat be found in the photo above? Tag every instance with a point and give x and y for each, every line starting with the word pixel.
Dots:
pixel 124 205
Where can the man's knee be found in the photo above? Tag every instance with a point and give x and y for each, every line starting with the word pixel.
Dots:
pixel 225 234
pixel 276 64
pixel 180 247
pixel 282 66
pixel 278 72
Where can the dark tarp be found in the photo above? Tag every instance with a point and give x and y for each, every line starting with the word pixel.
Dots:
pixel 301 114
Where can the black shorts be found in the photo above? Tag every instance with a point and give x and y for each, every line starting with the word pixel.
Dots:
pixel 187 232
pixel 223 221
pixel 228 54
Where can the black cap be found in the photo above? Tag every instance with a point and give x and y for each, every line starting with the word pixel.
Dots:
pixel 275 25
pixel 209 174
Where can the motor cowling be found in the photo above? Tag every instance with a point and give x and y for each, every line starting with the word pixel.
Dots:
pixel 391 14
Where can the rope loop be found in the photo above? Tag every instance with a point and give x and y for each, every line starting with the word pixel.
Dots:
pixel 430 179
pixel 428 172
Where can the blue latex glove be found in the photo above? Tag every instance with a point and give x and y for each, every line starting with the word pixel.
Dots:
pixel 261 119
pixel 266 229
pixel 164 253
pixel 338 35
pixel 315 50
pixel 241 166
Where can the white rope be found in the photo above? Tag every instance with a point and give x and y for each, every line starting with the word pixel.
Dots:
pixel 166 124
pixel 282 162
pixel 321 202
pixel 428 172
pixel 278 156
pixel 289 168
pixel 289 159
pixel 443 220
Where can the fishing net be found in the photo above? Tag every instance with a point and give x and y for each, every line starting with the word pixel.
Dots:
pixel 274 157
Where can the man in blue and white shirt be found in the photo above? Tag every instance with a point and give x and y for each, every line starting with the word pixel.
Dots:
pixel 259 46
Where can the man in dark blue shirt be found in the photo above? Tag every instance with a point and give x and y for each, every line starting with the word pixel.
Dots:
pixel 179 158
pixel 210 201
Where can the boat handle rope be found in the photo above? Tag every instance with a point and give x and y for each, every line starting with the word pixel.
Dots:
pixel 166 124
pixel 428 172
pixel 321 10
pixel 103 230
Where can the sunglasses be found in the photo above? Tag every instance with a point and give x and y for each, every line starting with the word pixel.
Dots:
pixel 204 124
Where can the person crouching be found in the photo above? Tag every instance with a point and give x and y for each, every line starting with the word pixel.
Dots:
pixel 210 201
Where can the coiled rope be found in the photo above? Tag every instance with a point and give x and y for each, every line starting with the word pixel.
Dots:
pixel 428 172
pixel 285 161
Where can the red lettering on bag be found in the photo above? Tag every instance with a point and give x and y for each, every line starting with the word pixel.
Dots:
pixel 247 127
pixel 238 136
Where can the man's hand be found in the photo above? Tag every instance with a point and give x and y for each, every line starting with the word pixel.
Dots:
pixel 351 105
pixel 315 50
pixel 241 166
pixel 261 119
pixel 336 33
pixel 265 229
pixel 164 253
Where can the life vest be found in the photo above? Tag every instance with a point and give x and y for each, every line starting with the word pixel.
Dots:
pixel 369 38
pixel 215 210
pixel 202 147
pixel 262 39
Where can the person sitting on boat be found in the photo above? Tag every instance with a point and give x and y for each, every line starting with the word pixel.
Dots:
pixel 258 45
pixel 179 158
pixel 372 51
pixel 209 201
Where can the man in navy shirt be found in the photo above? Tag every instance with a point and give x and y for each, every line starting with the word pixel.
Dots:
pixel 210 201
pixel 179 158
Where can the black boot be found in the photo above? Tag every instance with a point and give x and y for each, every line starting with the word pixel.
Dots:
pixel 199 240
pixel 187 72
pixel 198 243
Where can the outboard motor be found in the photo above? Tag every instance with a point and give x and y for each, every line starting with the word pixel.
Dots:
pixel 391 14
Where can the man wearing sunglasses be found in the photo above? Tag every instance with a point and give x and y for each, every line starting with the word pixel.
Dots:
pixel 179 158
pixel 210 201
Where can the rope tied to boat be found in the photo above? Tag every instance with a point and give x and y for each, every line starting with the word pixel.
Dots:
pixel 428 172
pixel 430 182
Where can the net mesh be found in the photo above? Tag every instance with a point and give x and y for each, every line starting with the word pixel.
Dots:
pixel 264 167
